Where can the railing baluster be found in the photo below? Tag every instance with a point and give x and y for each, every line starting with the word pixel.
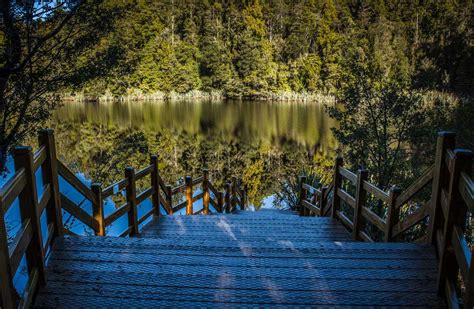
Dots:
pixel 233 201
pixel 169 198
pixel 155 184
pixel 50 175
pixel 28 201
pixel 393 213
pixel 227 197
pixel 189 195
pixel 456 215
pixel 302 195
pixel 360 198
pixel 98 209
pixel 205 189
pixel 336 200
pixel 220 201
pixel 132 200
pixel 322 201
pixel 7 290
pixel 446 140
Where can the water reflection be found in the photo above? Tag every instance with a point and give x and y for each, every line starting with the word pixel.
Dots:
pixel 248 121
pixel 259 142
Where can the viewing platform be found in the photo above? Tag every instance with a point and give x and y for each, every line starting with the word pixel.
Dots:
pixel 350 244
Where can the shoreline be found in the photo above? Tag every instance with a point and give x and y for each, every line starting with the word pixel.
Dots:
pixel 289 97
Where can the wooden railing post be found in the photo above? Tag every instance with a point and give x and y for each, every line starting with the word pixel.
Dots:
pixel 302 195
pixel 393 213
pixel 28 201
pixel 50 176
pixel 98 209
pixel 132 200
pixel 220 201
pixel 227 197
pixel 189 195
pixel 337 179
pixel 205 189
pixel 155 184
pixel 360 197
pixel 233 200
pixel 322 201
pixel 169 198
pixel 7 290
pixel 446 140
pixel 456 214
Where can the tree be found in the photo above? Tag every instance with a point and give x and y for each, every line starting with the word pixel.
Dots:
pixel 41 49
pixel 376 119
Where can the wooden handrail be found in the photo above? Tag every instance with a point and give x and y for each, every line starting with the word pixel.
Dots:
pixel 115 188
pixel 347 174
pixel 39 157
pixel 69 176
pixel 10 191
pixel 415 187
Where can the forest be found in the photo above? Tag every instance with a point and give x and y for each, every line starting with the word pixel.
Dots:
pixel 278 48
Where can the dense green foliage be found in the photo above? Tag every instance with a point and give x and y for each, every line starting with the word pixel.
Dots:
pixel 257 47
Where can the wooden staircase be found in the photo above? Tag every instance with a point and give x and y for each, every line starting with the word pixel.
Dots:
pixel 338 251
pixel 266 258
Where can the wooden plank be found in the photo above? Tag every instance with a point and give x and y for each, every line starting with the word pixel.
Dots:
pixel 115 187
pixel 12 188
pixel 78 212
pixel 39 157
pixel 44 198
pixel 466 188
pixel 180 206
pixel 144 195
pixel 198 197
pixel 213 189
pixel 145 216
pixel 444 202
pixel 449 159
pixel 346 197
pixel 346 221
pixel 198 180
pixel 30 289
pixel 131 193
pixel 360 199
pixel 377 192
pixel 451 295
pixel 119 212
pixel 412 219
pixel 20 243
pixel 50 238
pixel 365 237
pixel 69 176
pixel 462 252
pixel 126 232
pixel 373 218
pixel 28 204
pixel 283 264
pixel 415 187
pixel 348 175
pixel 311 189
pixel 143 172
pixel 178 189
pixel 311 207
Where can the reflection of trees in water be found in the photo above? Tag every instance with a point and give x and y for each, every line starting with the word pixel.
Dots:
pixel 102 153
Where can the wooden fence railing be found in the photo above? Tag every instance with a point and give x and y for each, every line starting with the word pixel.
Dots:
pixel 28 241
pixel 445 214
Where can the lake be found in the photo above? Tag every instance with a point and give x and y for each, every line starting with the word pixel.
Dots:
pixel 260 142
